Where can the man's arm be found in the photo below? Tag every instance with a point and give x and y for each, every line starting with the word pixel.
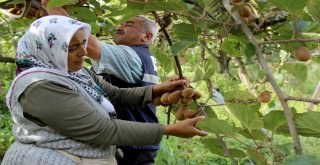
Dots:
pixel 120 61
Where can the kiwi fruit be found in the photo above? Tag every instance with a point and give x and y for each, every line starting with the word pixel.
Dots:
pixel 186 101
pixel 245 11
pixel 175 96
pixel 264 97
pixel 164 98
pixel 302 53
pixel 197 95
pixel 179 115
pixel 188 113
pixel 156 101
pixel 187 92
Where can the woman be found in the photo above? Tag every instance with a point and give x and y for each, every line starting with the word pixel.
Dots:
pixel 63 114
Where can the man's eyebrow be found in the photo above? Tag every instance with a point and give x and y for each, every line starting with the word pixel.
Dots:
pixel 129 22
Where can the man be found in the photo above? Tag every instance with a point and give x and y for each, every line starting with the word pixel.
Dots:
pixel 130 66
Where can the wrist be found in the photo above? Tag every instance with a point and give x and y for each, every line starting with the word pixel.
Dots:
pixel 157 90
pixel 167 130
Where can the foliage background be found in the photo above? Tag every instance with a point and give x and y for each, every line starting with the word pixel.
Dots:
pixel 213 48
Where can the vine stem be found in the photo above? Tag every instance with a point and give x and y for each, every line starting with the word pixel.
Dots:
pixel 290 40
pixel 270 78
pixel 314 101
pixel 166 34
pixel 220 138
pixel 226 150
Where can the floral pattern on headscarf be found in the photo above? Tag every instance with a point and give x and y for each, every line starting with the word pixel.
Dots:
pixel 45 45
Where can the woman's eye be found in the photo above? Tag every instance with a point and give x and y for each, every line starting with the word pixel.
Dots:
pixel 74 47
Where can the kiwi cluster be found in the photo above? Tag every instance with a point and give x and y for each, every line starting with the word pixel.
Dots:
pixel 181 98
pixel 244 11
pixel 36 12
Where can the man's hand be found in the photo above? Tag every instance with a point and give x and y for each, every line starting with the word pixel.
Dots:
pixel 170 85
pixel 54 11
pixel 185 128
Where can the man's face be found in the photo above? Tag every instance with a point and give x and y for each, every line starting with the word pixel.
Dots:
pixel 131 32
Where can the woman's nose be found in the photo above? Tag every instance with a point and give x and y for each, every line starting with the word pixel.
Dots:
pixel 83 51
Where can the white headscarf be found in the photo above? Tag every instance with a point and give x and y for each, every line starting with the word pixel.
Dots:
pixel 45 43
pixel 44 46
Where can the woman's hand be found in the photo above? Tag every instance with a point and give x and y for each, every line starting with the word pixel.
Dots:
pixel 170 85
pixel 185 128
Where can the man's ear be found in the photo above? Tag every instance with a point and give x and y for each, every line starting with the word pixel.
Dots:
pixel 147 37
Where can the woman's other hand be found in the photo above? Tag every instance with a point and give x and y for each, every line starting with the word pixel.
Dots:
pixel 185 128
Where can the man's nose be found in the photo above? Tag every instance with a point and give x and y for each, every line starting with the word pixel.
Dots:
pixel 120 27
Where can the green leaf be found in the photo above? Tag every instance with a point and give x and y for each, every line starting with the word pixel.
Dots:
pixel 298 70
pixel 274 119
pixel 250 50
pixel 198 75
pixel 257 156
pixel 214 125
pixel 209 68
pixel 85 14
pixel 313 7
pixel 214 146
pixel 247 115
pixel 231 47
pixel 301 160
pixel 184 31
pixel 168 5
pixel 286 149
pixel 308 123
pixel 316 59
pixel 59 3
pixel 181 46
pixel 239 94
pixel 210 112
pixel 186 36
pixel 256 134
pixel 295 7
pixel 94 27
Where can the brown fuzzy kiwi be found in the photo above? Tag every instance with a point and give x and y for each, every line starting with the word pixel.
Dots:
pixel 175 96
pixel 188 113
pixel 245 11
pixel 197 95
pixel 264 97
pixel 302 53
pixel 188 92
pixel 156 101
pixel 186 101
pixel 179 115
pixel 164 98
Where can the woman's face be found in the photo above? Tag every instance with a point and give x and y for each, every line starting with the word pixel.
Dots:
pixel 76 51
